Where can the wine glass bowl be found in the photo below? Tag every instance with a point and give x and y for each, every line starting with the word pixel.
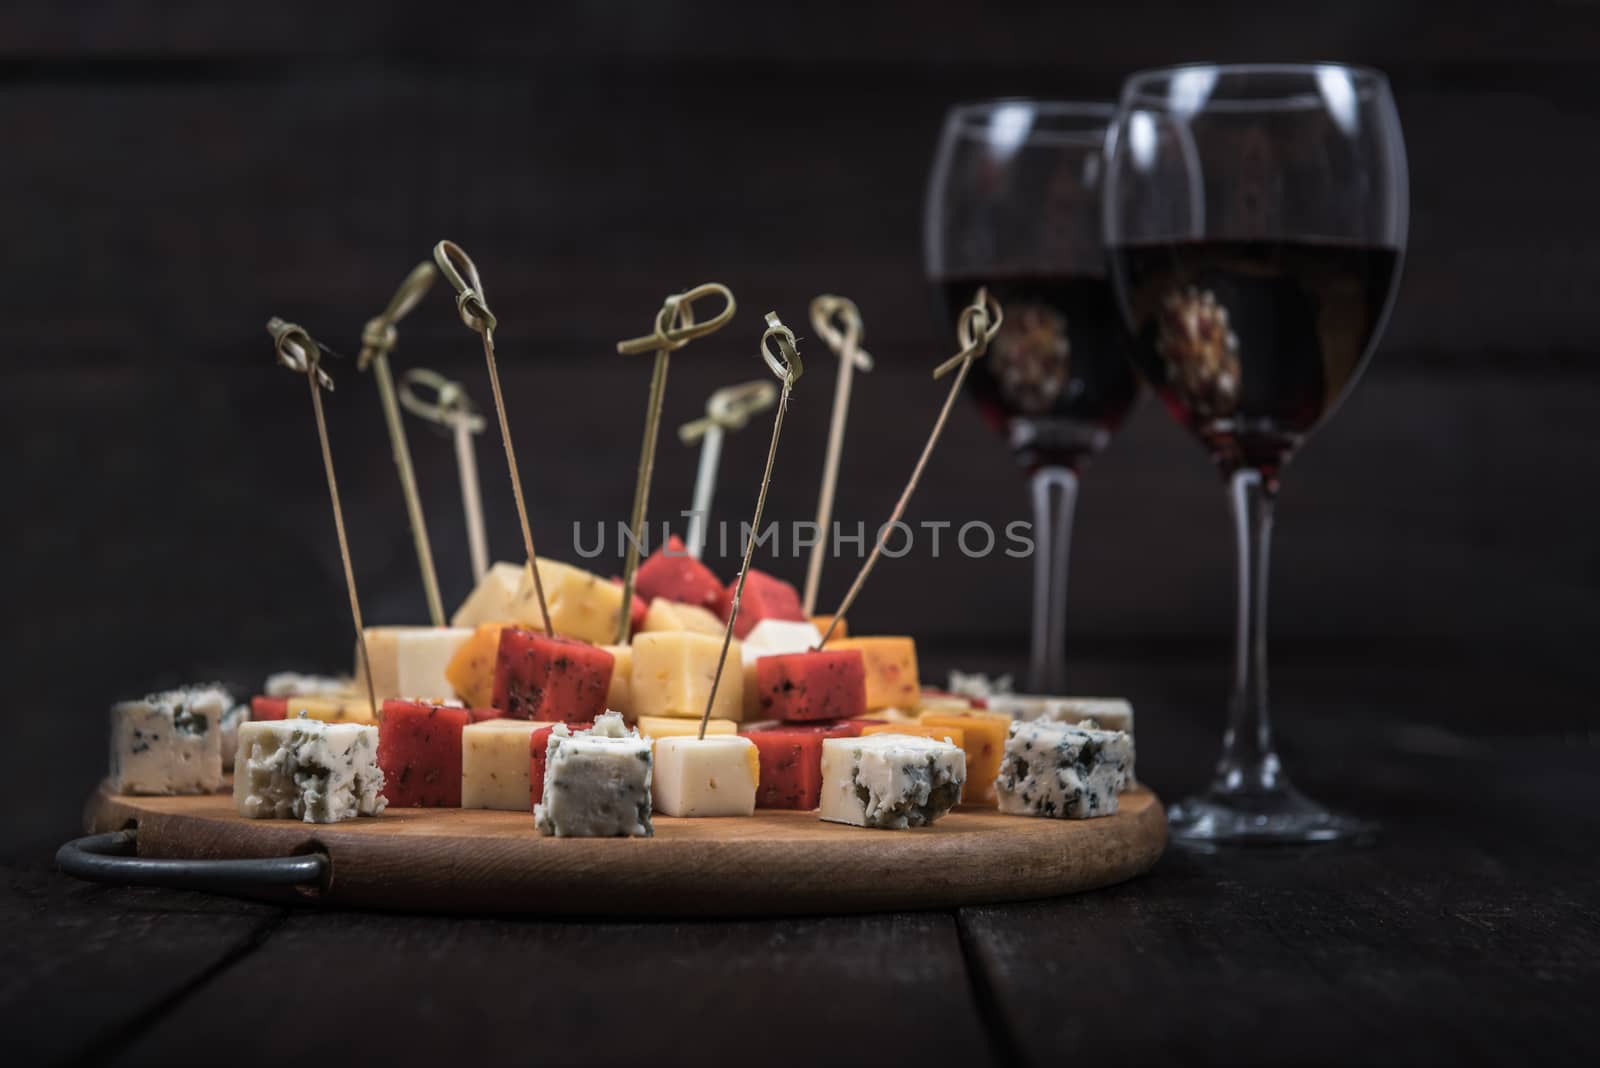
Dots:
pixel 1255 220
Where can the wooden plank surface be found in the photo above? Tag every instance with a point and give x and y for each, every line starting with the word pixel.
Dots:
pixel 772 863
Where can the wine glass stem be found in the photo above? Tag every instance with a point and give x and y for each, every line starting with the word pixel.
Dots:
pixel 1249 761
pixel 1055 494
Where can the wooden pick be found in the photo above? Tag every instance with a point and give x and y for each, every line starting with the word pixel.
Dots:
pixel 299 352
pixel 452 409
pixel 785 363
pixel 473 306
pixel 837 321
pixel 979 323
pixel 729 408
pixel 377 341
pixel 675 327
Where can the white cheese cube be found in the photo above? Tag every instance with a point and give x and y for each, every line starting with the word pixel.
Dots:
pixel 230 732
pixel 892 781
pixel 1061 771
pixel 495 761
pixel 309 770
pixel 595 786
pixel 169 743
pixel 294 684
pixel 673 672
pixel 673 615
pixel 410 662
pixel 710 776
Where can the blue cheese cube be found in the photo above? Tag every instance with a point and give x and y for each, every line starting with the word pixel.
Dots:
pixel 1063 772
pixel 892 781
pixel 596 783
pixel 308 770
pixel 169 743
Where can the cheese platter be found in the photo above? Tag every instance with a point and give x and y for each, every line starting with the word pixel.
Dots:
pixel 663 742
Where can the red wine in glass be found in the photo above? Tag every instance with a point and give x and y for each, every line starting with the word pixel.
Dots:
pixel 1056 382
pixel 1250 344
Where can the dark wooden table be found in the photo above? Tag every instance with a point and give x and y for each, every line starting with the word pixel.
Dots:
pixel 1469 932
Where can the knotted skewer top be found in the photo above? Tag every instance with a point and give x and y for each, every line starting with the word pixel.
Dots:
pixel 979 323
pixel 462 274
pixel 450 405
pixel 298 351
pixel 675 322
pixel 378 337
pixel 837 321
pixel 730 408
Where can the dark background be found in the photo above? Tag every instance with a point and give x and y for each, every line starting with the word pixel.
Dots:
pixel 173 174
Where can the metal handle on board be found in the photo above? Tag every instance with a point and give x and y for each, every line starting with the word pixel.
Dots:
pixel 112 858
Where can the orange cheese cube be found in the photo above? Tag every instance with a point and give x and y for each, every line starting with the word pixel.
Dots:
pixel 985 744
pixel 822 622
pixel 891 664
pixel 471 670
pixel 921 730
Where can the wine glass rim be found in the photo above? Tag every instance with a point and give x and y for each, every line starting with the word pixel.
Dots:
pixel 1136 86
pixel 973 118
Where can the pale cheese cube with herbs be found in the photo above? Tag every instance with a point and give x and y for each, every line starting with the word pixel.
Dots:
pixel 711 776
pixel 596 783
pixel 890 781
pixel 1063 772
pixel 169 743
pixel 308 770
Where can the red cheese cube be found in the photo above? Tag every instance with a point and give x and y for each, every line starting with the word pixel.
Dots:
pixel 538 753
pixel 540 677
pixel 791 767
pixel 825 684
pixel 844 728
pixel 263 708
pixel 419 750
pixel 672 573
pixel 638 608
pixel 765 597
pixel 478 715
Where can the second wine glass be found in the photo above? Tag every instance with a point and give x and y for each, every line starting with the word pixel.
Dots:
pixel 1014 203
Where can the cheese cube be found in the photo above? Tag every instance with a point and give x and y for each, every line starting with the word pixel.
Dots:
pixel 673 671
pixel 169 743
pixel 677 727
pixel 331 709
pixel 764 597
pixel 422 657
pixel 670 615
pixel 822 623
pixel 824 684
pixel 984 740
pixel 619 698
pixel 419 750
pixel 891 664
pixel 582 605
pixel 307 770
pixel 595 786
pixel 1060 771
pixel 383 650
pixel 710 776
pixel 230 733
pixel 791 767
pixel 538 755
pixel 672 574
pixel 294 684
pixel 940 701
pixel 496 768
pixel 891 781
pixel 953 735
pixel 550 679
pixel 263 708
pixel 771 637
pixel 470 672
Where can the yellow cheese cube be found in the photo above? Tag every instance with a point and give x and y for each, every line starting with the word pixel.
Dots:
pixel 672 674
pixel 495 764
pixel 841 631
pixel 673 615
pixel 471 671
pixel 352 708
pixel 891 664
pixel 985 745
pixel 954 735
pixel 620 697
pixel 582 605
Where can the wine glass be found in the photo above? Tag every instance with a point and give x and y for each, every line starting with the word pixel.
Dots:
pixel 1014 203
pixel 1255 220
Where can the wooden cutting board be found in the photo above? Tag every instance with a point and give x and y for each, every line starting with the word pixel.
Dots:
pixel 473 861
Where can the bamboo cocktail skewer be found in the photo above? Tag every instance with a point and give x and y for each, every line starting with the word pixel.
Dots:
pixel 729 408
pixel 300 352
pixel 845 340
pixel 454 410
pixel 675 327
pixel 979 323
pixel 473 307
pixel 787 366
pixel 377 341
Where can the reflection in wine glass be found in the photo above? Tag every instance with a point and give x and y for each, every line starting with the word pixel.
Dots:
pixel 1014 204
pixel 1255 218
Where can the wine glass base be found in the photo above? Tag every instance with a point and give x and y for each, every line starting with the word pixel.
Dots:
pixel 1282 816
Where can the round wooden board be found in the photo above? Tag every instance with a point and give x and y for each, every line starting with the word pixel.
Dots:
pixel 474 861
